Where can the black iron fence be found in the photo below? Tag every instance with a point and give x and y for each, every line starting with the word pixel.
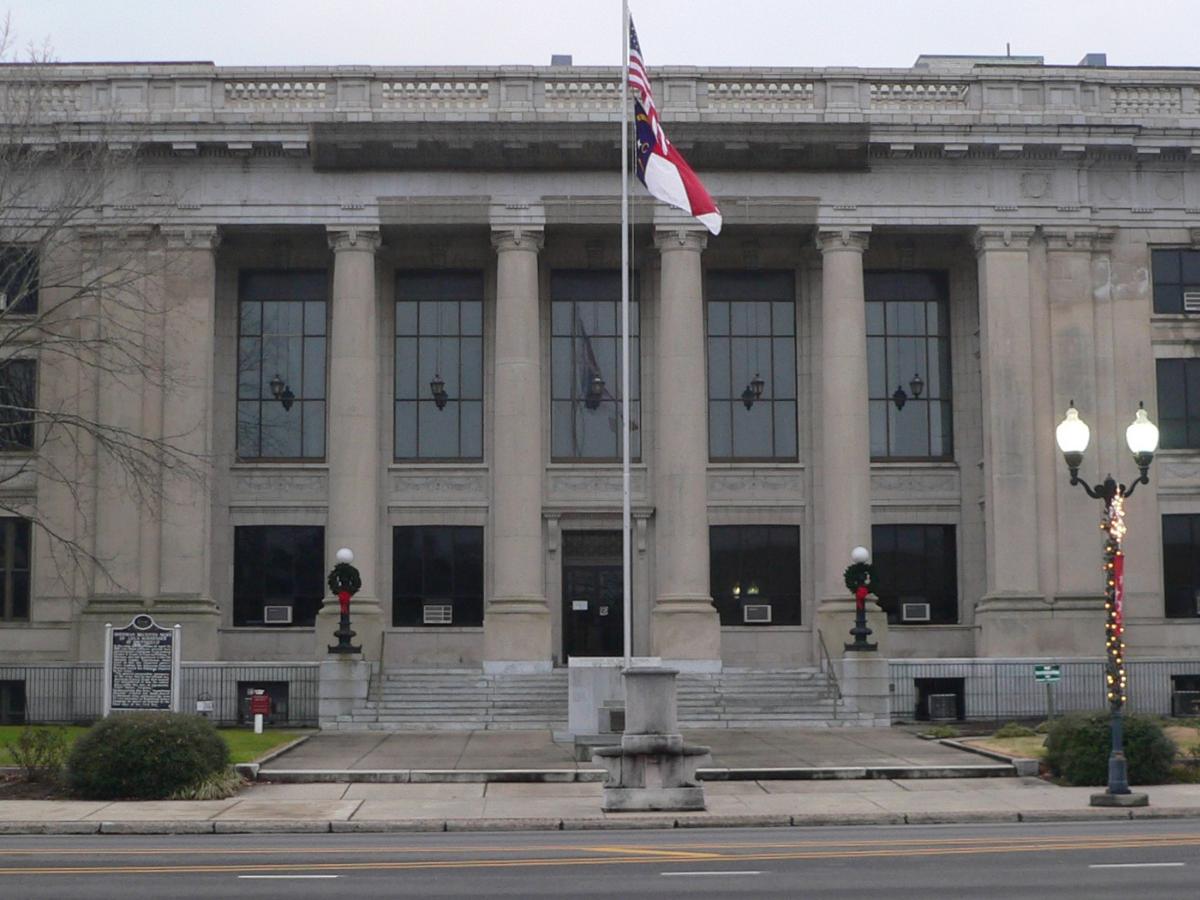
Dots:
pixel 73 692
pixel 1008 689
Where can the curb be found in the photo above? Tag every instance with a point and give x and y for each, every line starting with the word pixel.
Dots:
pixel 249 770
pixel 612 823
pixel 579 776
pixel 1022 765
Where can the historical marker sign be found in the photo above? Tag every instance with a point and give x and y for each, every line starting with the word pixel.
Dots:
pixel 141 667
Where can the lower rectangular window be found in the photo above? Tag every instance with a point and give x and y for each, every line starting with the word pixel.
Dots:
pixel 1181 566
pixel 278 574
pixel 14 569
pixel 437 575
pixel 755 573
pixel 916 573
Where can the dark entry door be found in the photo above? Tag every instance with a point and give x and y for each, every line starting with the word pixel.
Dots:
pixel 592 594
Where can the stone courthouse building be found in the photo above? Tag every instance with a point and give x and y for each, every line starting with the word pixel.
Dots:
pixel 393 298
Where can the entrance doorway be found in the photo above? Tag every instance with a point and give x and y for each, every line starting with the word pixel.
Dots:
pixel 593 607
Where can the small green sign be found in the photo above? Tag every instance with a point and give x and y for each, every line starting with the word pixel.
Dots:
pixel 1048 673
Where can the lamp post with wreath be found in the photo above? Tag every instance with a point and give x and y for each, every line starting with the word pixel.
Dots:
pixel 860 577
pixel 345 582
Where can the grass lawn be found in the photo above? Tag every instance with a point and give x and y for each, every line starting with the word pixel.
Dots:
pixel 1186 737
pixel 244 744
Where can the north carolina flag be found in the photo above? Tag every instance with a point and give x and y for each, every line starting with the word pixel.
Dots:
pixel 660 167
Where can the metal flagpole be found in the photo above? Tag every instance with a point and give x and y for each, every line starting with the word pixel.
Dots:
pixel 626 548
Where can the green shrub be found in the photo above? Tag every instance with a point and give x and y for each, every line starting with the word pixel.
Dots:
pixel 40 753
pixel 940 731
pixel 1078 746
pixel 1042 727
pixel 1014 729
pixel 145 756
pixel 217 786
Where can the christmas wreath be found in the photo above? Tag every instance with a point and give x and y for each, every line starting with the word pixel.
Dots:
pixel 858 575
pixel 345 577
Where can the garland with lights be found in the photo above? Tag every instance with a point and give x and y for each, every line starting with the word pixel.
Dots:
pixel 1113 524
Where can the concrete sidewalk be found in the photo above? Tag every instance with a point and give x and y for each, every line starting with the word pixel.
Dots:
pixel 470 755
pixel 483 807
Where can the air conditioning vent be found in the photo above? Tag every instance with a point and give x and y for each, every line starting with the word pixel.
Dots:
pixel 756 613
pixel 438 614
pixel 1191 301
pixel 943 706
pixel 277 615
pixel 914 612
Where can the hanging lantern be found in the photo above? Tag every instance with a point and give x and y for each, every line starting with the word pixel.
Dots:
pixel 899 397
pixel 437 387
pixel 916 386
pixel 281 392
pixel 595 392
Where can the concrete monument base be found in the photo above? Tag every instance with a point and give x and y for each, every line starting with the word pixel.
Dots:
pixel 343 687
pixel 1106 799
pixel 651 770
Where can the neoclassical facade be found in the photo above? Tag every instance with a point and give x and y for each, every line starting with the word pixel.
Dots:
pixel 391 303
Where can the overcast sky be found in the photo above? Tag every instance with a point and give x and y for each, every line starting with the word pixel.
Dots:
pixel 673 32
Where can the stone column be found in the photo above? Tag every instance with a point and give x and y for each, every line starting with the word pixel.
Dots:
pixel 1010 443
pixel 842 436
pixel 353 434
pixel 185 528
pixel 685 628
pixel 516 627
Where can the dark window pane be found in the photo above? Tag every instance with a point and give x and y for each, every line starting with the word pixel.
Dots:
pixel 442 564
pixel 1165 266
pixel 17 406
pixel 406 429
pixel 1181 565
pixel 720 430
pixel 916 564
pixel 1189 267
pixel 278 565
pixel 437 430
pixel 755 565
pixel 1168 298
pixel 1178 385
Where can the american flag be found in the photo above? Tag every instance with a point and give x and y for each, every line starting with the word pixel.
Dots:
pixel 660 167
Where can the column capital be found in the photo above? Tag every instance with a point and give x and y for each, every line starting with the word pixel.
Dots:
pixel 366 240
pixel 680 239
pixel 191 237
pixel 1080 240
pixel 831 239
pixel 517 237
pixel 996 238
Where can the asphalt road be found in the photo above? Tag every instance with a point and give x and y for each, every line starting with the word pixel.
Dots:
pixel 1147 859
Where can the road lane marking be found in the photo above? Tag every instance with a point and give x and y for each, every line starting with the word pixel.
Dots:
pixel 665 853
pixel 289 876
pixel 742 872
pixel 1161 865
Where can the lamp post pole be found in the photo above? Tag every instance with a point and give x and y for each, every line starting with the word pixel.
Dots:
pixel 859 577
pixel 345 581
pixel 1142 436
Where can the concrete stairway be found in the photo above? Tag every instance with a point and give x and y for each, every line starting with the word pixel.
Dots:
pixel 433 699
pixel 461 700
pixel 757 698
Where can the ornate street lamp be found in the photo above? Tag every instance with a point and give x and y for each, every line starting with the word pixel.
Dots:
pixel 859 577
pixel 281 392
pixel 1072 436
pixel 345 581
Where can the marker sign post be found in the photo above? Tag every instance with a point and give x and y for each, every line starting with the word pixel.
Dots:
pixel 1048 675
pixel 141 667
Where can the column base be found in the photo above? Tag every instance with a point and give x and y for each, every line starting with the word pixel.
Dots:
pixel 1131 799
pixel 516 636
pixel 345 682
pixel 1032 625
pixel 863 679
pixel 366 620
pixel 686 630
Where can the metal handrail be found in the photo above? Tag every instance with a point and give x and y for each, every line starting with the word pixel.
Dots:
pixel 827 666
